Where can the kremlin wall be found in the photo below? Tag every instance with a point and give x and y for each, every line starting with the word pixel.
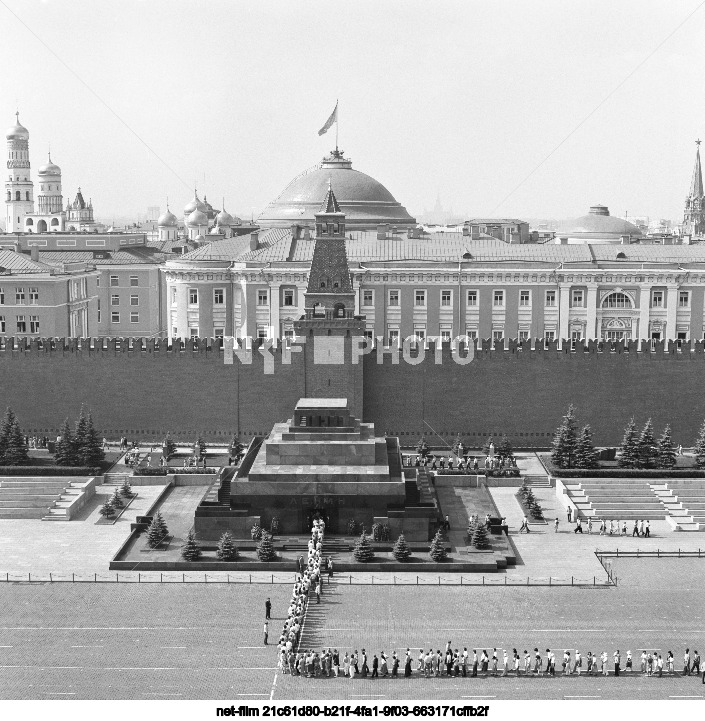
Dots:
pixel 517 391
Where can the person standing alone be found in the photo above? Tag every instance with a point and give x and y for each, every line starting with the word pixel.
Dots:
pixel 268 610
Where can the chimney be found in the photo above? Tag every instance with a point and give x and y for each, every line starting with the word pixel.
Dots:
pixel 475 232
pixel 254 240
pixel 466 230
pixel 563 240
pixel 34 252
pixel 16 245
pixel 382 231
pixel 307 234
pixel 295 231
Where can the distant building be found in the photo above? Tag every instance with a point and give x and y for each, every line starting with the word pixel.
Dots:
pixel 598 226
pixel 439 216
pixel 510 230
pixel 694 216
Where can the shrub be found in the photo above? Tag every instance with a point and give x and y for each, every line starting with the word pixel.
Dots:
pixel 48 471
pixel 265 549
pixel 274 525
pixel 107 510
pixel 505 449
pixel 226 549
pixel 157 530
pixel 352 526
pixel 191 551
pixel 480 539
pixel 401 551
pixel 666 451
pixel 256 532
pixel 437 551
pixel 363 550
pixel 632 473
pixel 146 471
pixel 116 501
pixel 377 532
pixel 536 511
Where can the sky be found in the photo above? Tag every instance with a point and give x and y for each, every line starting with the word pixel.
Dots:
pixel 460 99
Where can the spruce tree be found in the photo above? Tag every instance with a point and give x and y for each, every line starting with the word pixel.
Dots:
pixel 437 551
pixel 585 453
pixel 256 532
pixel 265 549
pixel 647 452
pixel 65 452
pixel 666 451
pixel 80 436
pixel 157 530
pixel 471 529
pixel 91 452
pixel 536 511
pixel 226 550
pixel 168 447
pixel 191 551
pixel 15 449
pixel 115 499
pixel 505 448
pixel 126 489
pixel 628 451
pixel 700 448
pixel 4 432
pixel 565 441
pixel 401 551
pixel 480 540
pixel 107 510
pixel 363 550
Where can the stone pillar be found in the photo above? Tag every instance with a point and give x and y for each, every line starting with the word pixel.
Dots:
pixel 181 309
pixel 591 322
pixel 564 310
pixel 671 312
pixel 274 303
pixel 644 310
pixel 356 287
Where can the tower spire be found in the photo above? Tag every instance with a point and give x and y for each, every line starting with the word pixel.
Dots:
pixel 696 183
pixel 694 216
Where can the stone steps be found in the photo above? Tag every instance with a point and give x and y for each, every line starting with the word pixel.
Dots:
pixel 684 501
pixel 22 512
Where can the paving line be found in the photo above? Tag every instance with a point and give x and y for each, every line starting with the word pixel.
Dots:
pixel 86 646
pixel 274 685
pixel 480 698
pixel 685 696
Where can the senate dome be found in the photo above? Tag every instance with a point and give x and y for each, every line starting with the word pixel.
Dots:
pixel 17 131
pixel 365 201
pixel 598 226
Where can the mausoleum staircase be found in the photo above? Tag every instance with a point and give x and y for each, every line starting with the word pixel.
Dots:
pixel 619 499
pixel 684 502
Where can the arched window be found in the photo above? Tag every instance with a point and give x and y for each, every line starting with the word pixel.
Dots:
pixel 54 221
pixel 27 195
pixel 29 222
pixel 621 256
pixel 42 226
pixel 617 300
pixel 319 310
pixel 339 310
pixel 17 195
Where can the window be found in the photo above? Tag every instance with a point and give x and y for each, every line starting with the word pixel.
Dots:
pixel 134 317
pixel 261 332
pixel 657 299
pixel 525 298
pixel 193 296
pixel 34 296
pixel 289 337
pixel 113 280
pixel 34 324
pixel 97 282
pixel 523 335
pixel 98 310
pixel 682 337
pixel 445 335
pixel 21 324
pixel 420 334
pixel 173 296
pixel 193 332
pixel 114 300
pixel 2 323
pixel 498 299
pixel 497 334
pixel 577 299
pixel 19 296
pixel 174 331
pixel 446 298
pixel 368 297
pixel 289 297
pixel 134 281
pixel 471 334
pixel 683 299
pixel 2 296
pixel 263 299
pixel 420 298
pixel 134 300
pixel 218 296
pixel 369 333
pixel 115 317
pixel 472 297
pixel 550 298
pixel 218 332
pixel 549 335
pixel 617 300
pixel 393 336
pixel 394 297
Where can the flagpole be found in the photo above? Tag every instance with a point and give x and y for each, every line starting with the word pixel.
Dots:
pixel 337 115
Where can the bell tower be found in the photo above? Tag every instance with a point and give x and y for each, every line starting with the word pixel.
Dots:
pixel 19 198
pixel 694 215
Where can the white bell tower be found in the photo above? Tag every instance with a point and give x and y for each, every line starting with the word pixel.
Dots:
pixel 19 198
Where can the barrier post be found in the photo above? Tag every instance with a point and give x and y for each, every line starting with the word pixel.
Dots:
pixel 439 580
pixel 571 580
pixel 549 580
pixel 161 578
pixel 73 578
pixel 139 578
pixel 272 579
pixel 228 578
pixel 95 578
pixel 527 580
pixel 183 578
pixel 29 575
pixel 50 579
pixel 250 579
pixel 483 580
pixel 350 580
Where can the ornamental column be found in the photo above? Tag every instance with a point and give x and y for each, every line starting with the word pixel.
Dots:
pixel 644 312
pixel 274 302
pixel 671 311
pixel 591 308
pixel 564 300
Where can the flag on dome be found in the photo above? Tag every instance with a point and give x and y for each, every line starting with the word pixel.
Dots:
pixel 333 119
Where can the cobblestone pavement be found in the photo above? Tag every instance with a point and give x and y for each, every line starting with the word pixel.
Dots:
pixel 197 641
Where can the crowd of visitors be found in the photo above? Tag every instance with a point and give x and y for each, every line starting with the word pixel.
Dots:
pixel 640 528
pixel 498 662
pixel 471 464
pixel 309 580
pixel 36 441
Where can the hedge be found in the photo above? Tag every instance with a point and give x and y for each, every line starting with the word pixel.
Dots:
pixel 628 473
pixel 49 471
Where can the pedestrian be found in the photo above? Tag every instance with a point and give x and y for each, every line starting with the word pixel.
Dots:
pixel 516 662
pixel 589 525
pixel 643 661
pixel 268 609
pixel 578 526
pixel 686 662
pixel 465 661
pixel 555 525
pixel 603 659
pixel 484 662
pixel 695 668
pixel 505 661
pixel 617 660
pixel 395 664
pixel 602 527
pixel 577 665
pixel 474 663
pixel 527 662
pixel 547 672
pixel 635 530
pixel 641 528
pixel 659 665
pixel 566 663
pixel 364 669
pixel 647 529
pixel 537 661
pixel 624 528
pixel 628 665
pixel 330 568
pixel 266 632
pixel 494 662
pixel 589 663
pixel 383 667
pixel 570 514
pixel 670 662
pixel 407 664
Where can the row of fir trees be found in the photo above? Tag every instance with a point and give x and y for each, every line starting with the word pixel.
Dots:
pixel 572 448
pixel 81 446
pixel 13 449
pixel 643 450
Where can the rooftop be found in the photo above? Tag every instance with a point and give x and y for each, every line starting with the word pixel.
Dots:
pixel 306 403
